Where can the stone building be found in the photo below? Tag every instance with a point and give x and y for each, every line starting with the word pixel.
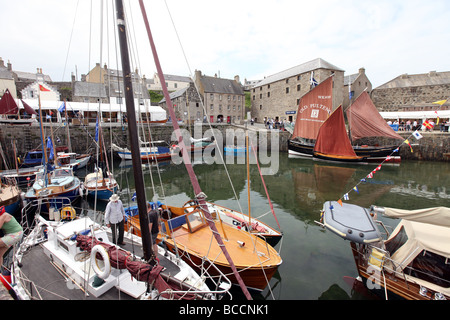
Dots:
pixel 354 85
pixel 224 99
pixel 413 92
pixel 277 96
pixel 7 79
pixel 173 82
pixel 186 103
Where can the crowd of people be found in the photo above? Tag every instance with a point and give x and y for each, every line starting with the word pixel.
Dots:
pixel 412 125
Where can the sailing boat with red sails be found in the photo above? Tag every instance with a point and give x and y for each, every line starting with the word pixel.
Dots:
pixel 313 109
pixel 332 142
pixel 364 122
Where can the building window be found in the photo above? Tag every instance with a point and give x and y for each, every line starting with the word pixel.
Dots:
pixel 287 90
pixel 220 97
pixel 212 107
pixel 299 87
pixel 299 77
pixel 260 95
pixel 211 96
pixel 254 97
pixel 268 94
pixel 287 80
pixel 260 107
pixel 268 86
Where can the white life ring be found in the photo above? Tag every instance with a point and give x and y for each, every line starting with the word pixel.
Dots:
pixel 102 274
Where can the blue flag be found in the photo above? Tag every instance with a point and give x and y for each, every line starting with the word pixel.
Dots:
pixel 50 146
pixel 96 131
pixel 62 107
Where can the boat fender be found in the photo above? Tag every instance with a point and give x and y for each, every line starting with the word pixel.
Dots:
pixel 102 274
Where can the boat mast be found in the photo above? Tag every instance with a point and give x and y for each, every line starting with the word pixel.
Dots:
pixel 132 132
pixel 200 196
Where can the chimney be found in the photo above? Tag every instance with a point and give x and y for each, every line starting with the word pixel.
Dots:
pixel 362 71
pixel 432 73
pixel 236 78
pixel 2 64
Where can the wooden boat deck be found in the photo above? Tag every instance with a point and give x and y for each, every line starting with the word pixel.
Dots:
pixel 51 285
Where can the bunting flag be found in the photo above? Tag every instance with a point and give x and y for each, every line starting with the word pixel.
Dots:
pixel 437 118
pixel 396 150
pixel 356 188
pixel 388 158
pixel 346 198
pixel 42 88
pixel 407 142
pixel 427 125
pixel 440 102
pixel 417 135
pixel 340 202
pixel 370 175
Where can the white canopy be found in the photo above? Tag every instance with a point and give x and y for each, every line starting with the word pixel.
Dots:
pixel 443 114
pixel 156 113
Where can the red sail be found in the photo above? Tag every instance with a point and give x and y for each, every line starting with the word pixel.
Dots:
pixel 332 139
pixel 7 104
pixel 314 108
pixel 27 108
pixel 365 120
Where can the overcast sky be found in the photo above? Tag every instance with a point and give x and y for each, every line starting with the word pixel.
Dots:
pixel 249 38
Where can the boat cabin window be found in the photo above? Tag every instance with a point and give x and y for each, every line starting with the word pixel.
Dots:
pixel 430 267
pixel 396 242
pixel 195 220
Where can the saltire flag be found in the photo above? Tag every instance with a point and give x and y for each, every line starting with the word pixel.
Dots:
pixel 427 124
pixel 417 135
pixel 313 81
pixel 407 141
pixel 346 198
pixel 356 189
pixel 96 131
pixel 42 88
pixel 62 107
pixel 50 146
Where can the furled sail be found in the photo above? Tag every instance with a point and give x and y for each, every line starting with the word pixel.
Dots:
pixel 313 109
pixel 365 120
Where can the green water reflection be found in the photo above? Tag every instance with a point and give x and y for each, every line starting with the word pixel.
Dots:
pixel 314 261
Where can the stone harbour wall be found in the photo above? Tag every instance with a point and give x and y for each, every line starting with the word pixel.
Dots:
pixel 434 146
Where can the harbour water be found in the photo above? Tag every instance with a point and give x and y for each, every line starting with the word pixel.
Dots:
pixel 315 261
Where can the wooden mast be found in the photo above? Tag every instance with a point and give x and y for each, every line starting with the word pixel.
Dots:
pixel 199 195
pixel 132 131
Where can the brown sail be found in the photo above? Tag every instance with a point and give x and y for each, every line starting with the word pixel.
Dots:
pixel 365 120
pixel 332 141
pixel 7 104
pixel 314 108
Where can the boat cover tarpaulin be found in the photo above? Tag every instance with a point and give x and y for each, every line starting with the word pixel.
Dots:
pixel 7 104
pixel 313 109
pixel 439 216
pixel 351 222
pixel 365 120
pixel 332 138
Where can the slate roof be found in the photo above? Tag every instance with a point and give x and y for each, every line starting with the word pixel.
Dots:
pixel 300 69
pixel 350 79
pixel 219 85
pixel 89 89
pixel 418 80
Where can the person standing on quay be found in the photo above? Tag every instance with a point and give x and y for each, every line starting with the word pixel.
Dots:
pixel 114 218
